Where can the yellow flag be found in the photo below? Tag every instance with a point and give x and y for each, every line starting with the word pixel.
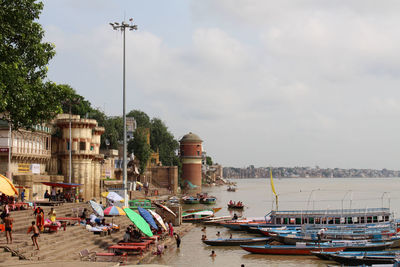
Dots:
pixel 272 183
pixel 273 189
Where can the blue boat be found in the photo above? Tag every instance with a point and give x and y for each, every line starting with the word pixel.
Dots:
pixel 148 217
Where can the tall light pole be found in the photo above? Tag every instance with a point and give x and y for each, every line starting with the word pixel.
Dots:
pixel 122 27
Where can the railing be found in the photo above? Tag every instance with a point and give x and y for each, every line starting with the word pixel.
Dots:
pixel 30 151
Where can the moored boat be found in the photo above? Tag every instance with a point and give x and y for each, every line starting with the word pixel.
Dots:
pixel 299 249
pixel 235 241
pixel 197 216
pixel 326 255
pixel 191 200
pixel 353 260
pixel 208 200
pixel 217 220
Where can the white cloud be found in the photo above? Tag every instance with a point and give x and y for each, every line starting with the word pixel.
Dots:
pixel 262 82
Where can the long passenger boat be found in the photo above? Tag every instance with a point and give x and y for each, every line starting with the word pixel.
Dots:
pixel 330 217
pixel 319 218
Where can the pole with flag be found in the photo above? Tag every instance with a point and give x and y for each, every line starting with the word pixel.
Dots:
pixel 273 189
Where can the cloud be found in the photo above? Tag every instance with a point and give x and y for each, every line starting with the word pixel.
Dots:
pixel 262 82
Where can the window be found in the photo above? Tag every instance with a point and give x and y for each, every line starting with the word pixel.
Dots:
pixel 82 145
pixel 198 153
pixel 67 145
pixel 91 148
pixel 47 143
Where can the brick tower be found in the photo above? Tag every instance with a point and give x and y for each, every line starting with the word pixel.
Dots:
pixel 191 150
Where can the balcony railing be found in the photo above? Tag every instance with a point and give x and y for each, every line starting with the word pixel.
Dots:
pixel 30 151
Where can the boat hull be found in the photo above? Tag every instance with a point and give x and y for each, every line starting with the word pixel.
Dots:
pixel 235 241
pixel 281 250
pixel 360 260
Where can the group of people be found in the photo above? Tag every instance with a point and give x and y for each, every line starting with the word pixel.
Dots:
pixel 57 195
pixel 233 203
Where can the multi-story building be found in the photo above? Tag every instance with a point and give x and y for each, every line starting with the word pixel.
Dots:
pixel 31 157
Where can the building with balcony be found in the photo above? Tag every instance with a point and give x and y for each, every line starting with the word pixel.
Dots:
pixel 31 157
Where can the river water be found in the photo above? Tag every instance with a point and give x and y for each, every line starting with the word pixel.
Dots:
pixel 294 193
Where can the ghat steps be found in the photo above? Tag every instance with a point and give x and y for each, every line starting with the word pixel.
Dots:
pixel 62 245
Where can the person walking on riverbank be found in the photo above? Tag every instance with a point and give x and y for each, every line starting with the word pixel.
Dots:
pixel 36 234
pixel 8 221
pixel 171 229
pixel 178 240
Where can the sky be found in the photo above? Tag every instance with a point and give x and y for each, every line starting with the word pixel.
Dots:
pixel 268 83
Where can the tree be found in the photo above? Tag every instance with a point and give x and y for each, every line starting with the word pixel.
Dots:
pixel 141 118
pixel 25 99
pixel 209 160
pixel 163 141
pixel 78 104
pixel 139 146
pixel 114 129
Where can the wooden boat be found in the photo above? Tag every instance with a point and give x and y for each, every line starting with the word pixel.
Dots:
pixel 197 216
pixel 234 206
pixel 361 259
pixel 198 210
pixel 326 255
pixel 217 220
pixel 191 200
pixel 299 249
pixel 236 224
pixel 235 241
pixel 208 200
pixel 231 189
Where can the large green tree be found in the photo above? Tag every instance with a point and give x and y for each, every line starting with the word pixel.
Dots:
pixel 25 98
pixel 141 118
pixel 140 148
pixel 70 99
pixel 163 141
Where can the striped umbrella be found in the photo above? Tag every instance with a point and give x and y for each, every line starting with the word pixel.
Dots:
pixel 97 208
pixel 114 211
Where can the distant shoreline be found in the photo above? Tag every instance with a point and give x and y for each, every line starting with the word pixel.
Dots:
pixel 307 172
pixel 294 177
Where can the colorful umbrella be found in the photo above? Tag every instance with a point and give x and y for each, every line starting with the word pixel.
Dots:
pixel 97 208
pixel 139 222
pixel 7 187
pixel 158 218
pixel 166 208
pixel 148 217
pixel 114 211
pixel 112 196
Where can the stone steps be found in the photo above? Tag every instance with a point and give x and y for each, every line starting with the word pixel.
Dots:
pixel 63 245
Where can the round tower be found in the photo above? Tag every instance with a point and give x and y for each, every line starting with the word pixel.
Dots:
pixel 191 155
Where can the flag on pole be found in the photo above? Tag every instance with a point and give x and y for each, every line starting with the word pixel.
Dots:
pixel 273 188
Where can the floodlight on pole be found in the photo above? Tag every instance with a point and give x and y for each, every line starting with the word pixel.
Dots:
pixel 116 26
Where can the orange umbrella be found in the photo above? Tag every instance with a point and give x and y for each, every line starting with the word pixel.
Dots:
pixel 7 187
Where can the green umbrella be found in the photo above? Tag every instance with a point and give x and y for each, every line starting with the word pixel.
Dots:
pixel 139 222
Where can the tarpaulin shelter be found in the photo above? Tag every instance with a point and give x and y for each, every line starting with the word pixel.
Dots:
pixel 7 187
pixel 62 185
